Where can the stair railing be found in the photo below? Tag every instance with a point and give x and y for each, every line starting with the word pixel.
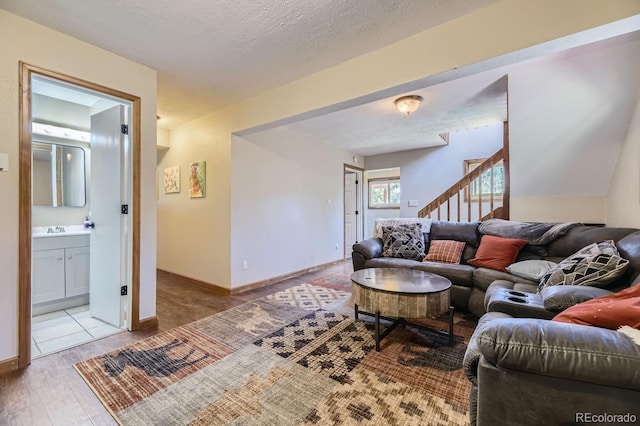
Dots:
pixel 468 195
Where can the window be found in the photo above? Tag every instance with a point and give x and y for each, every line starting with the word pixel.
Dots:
pixel 384 193
pixel 498 180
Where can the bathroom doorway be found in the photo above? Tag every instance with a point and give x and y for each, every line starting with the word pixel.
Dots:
pixel 79 160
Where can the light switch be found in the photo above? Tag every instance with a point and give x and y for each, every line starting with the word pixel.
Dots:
pixel 4 162
pixel 413 203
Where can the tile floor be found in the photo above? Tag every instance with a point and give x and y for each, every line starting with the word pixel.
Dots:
pixel 59 330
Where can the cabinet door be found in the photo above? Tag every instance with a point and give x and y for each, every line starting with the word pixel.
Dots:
pixel 47 276
pixel 77 271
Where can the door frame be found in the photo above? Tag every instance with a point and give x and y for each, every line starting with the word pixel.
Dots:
pixel 26 71
pixel 360 206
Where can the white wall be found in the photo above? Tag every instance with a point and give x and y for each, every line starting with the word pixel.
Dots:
pixel 568 119
pixel 426 173
pixel 60 113
pixel 22 40
pixel 623 198
pixel 287 208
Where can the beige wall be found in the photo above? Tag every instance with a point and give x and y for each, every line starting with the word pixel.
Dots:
pixel 623 198
pixel 22 40
pixel 585 209
pixel 194 233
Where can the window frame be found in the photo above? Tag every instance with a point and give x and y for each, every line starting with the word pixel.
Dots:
pixel 377 181
pixel 470 165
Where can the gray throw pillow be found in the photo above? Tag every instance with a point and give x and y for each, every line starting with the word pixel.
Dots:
pixel 596 265
pixel 530 269
pixel 403 241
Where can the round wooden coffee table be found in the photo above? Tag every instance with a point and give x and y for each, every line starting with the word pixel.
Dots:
pixel 394 294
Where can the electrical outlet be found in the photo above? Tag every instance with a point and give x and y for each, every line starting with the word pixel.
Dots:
pixel 245 264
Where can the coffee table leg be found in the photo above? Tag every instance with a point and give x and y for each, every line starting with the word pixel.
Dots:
pixel 356 311
pixel 450 325
pixel 377 331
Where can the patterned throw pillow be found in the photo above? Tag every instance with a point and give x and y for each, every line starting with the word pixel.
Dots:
pixel 404 241
pixel 447 251
pixel 597 265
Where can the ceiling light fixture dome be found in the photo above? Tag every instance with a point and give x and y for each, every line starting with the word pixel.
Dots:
pixel 408 104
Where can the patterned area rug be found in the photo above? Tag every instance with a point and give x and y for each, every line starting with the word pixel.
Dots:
pixel 297 357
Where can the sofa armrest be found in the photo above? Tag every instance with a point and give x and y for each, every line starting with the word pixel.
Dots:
pixel 472 354
pixel 557 298
pixel 568 351
pixel 369 248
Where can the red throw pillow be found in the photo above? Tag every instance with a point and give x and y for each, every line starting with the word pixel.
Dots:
pixel 447 251
pixel 497 252
pixel 610 311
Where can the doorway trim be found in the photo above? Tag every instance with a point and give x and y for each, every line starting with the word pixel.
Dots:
pixel 26 71
pixel 360 206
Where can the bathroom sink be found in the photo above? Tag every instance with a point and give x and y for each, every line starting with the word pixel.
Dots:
pixel 58 231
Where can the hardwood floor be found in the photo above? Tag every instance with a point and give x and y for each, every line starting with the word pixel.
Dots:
pixel 50 392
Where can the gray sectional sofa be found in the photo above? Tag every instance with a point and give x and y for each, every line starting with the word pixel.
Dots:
pixel 470 284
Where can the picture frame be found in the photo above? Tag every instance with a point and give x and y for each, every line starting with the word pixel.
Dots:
pixel 197 179
pixel 172 180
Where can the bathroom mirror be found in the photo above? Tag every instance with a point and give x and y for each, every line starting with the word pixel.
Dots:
pixel 58 175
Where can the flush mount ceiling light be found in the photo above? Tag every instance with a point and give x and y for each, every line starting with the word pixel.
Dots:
pixel 408 104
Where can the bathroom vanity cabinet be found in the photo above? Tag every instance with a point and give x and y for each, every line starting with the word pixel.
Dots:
pixel 59 272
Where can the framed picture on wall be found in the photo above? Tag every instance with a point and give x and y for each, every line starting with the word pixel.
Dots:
pixel 172 179
pixel 197 179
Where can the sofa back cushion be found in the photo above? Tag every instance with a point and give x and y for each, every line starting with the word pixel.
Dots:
pixel 579 237
pixel 458 231
pixel 629 248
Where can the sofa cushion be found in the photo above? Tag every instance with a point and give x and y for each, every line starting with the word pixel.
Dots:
pixel 390 262
pixel 557 298
pixel 458 274
pixel 531 269
pixel 611 311
pixel 497 252
pixel 484 277
pixel 447 251
pixel 579 237
pixel 597 265
pixel 458 231
pixel 403 241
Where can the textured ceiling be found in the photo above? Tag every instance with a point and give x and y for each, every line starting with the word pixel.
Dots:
pixel 378 127
pixel 212 53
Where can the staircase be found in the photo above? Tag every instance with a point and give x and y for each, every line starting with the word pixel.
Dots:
pixel 481 194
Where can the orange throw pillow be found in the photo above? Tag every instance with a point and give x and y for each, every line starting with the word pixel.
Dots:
pixel 497 252
pixel 447 251
pixel 610 311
